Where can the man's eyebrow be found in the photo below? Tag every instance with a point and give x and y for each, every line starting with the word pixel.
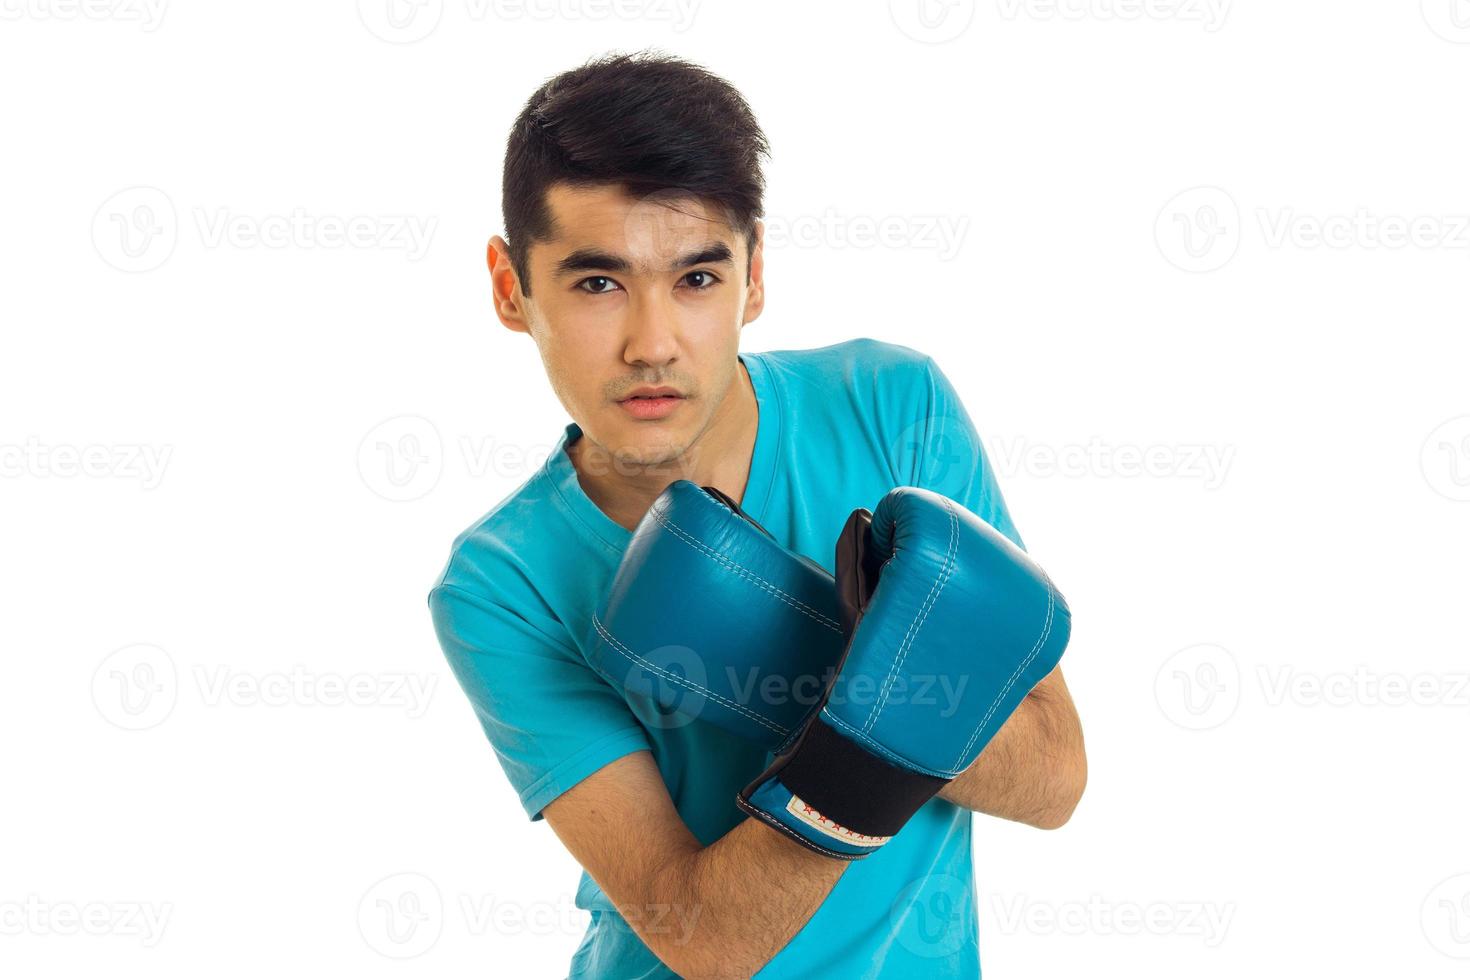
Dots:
pixel 595 259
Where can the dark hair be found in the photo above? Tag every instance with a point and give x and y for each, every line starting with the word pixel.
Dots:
pixel 648 121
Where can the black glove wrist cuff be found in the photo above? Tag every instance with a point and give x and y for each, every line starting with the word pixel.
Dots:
pixel 845 782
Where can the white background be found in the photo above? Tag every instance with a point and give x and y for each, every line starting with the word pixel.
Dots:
pixel 1177 233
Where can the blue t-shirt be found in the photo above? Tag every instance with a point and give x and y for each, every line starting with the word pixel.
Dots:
pixel 838 427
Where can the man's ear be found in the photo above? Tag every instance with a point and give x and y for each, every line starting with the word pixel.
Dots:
pixel 755 290
pixel 510 304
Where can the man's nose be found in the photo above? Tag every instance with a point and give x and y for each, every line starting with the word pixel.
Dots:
pixel 652 333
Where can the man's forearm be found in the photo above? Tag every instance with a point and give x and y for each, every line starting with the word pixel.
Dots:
pixel 1035 768
pixel 735 904
pixel 738 902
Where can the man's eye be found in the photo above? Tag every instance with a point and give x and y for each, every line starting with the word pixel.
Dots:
pixel 598 281
pixel 710 278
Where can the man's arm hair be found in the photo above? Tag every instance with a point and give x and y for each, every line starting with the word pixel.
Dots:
pixel 1035 768
pixel 717 911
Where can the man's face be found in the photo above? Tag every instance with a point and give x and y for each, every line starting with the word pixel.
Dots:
pixel 636 308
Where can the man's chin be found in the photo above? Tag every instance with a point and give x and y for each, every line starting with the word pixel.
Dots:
pixel 630 453
pixel 651 457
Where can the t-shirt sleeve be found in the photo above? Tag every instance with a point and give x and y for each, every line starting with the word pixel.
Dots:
pixel 946 455
pixel 551 719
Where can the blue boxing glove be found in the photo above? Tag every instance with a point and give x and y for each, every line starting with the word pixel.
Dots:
pixel 927 590
pixel 710 619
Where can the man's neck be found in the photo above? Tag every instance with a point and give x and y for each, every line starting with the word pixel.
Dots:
pixel 720 457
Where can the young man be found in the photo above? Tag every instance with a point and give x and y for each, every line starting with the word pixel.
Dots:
pixel 632 192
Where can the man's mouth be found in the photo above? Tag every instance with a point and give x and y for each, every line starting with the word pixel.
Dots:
pixel 648 393
pixel 652 404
